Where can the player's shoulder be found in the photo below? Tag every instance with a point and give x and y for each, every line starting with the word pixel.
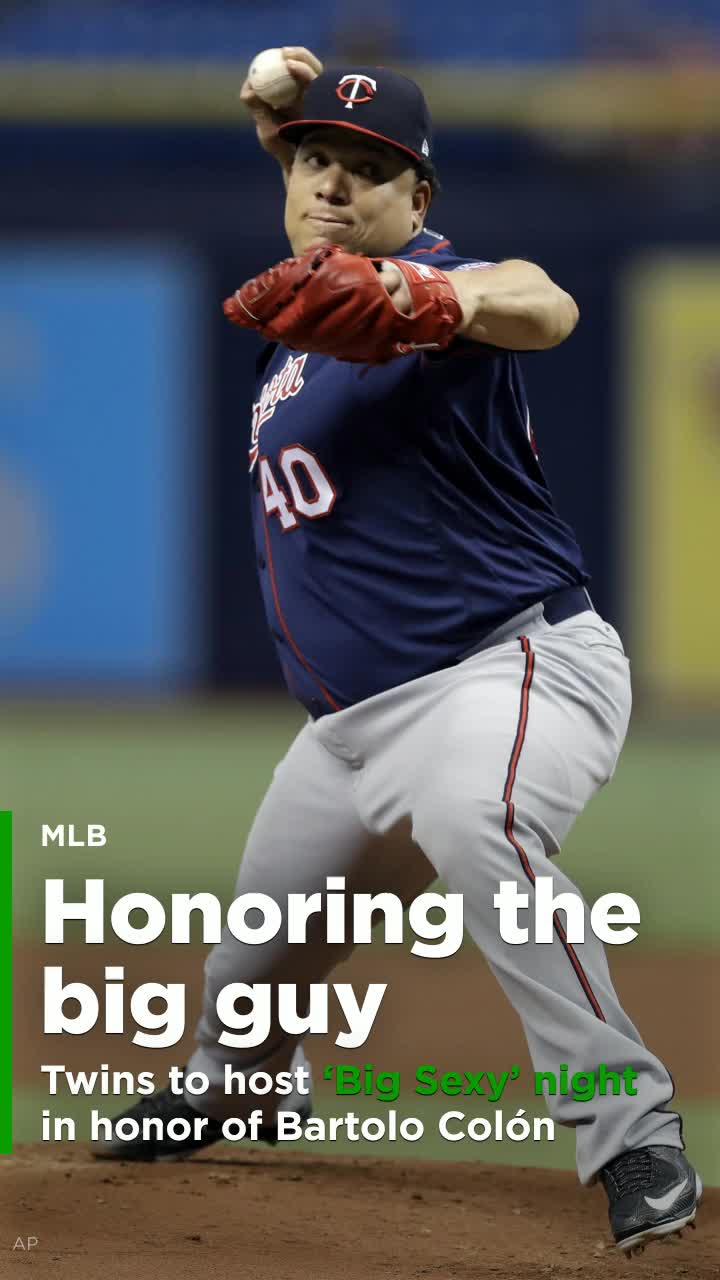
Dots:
pixel 437 249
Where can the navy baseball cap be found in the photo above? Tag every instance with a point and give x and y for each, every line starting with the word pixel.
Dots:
pixel 371 100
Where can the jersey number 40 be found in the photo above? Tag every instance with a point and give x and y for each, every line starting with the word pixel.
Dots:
pixel 307 491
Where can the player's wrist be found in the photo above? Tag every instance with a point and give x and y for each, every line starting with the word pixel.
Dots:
pixel 465 291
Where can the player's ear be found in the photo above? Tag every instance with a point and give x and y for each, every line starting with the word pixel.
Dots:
pixel 421 198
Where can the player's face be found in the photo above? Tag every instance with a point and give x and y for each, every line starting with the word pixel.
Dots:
pixel 354 192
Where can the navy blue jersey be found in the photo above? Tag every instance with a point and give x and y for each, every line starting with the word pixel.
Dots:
pixel 400 511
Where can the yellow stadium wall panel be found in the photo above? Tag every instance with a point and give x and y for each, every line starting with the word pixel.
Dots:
pixel 672 497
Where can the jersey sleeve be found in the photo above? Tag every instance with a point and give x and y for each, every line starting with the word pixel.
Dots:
pixel 466 264
pixel 445 257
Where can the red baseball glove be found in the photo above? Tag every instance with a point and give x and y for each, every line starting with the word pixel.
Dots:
pixel 334 302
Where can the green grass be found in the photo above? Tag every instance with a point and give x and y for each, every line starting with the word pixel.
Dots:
pixel 701 1128
pixel 177 787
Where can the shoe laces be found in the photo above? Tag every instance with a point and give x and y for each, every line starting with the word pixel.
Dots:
pixel 632 1171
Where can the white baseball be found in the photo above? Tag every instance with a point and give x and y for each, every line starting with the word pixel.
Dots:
pixel 270 79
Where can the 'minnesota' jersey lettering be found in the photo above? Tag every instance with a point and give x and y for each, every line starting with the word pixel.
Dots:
pixel 400 511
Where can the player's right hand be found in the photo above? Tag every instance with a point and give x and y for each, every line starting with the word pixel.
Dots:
pixel 304 67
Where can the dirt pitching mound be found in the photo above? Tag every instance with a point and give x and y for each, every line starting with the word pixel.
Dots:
pixel 272 1216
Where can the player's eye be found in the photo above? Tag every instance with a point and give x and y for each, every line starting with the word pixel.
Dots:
pixel 314 159
pixel 369 170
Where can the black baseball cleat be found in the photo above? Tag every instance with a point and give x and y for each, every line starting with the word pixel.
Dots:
pixel 153 1142
pixel 653 1192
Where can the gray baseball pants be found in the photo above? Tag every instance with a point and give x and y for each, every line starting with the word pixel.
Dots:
pixel 476 774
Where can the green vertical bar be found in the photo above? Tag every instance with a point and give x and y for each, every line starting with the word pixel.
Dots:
pixel 5 982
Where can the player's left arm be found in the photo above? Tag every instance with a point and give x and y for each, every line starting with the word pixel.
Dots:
pixel 513 305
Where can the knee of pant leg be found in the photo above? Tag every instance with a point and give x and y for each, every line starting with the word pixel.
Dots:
pixel 452 827
pixel 233 961
pixel 471 843
pixel 274 961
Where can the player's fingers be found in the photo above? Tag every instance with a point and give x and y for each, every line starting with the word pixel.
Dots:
pixel 261 110
pixel 396 285
pixel 391 276
pixel 300 70
pixel 299 53
pixel 247 95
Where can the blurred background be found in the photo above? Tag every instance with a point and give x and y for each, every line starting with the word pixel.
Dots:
pixel 139 687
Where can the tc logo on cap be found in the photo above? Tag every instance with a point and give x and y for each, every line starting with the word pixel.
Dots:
pixel 355 88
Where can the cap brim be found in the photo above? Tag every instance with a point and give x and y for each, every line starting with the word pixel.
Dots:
pixel 296 129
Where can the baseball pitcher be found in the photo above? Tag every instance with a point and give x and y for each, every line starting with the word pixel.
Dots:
pixel 430 611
